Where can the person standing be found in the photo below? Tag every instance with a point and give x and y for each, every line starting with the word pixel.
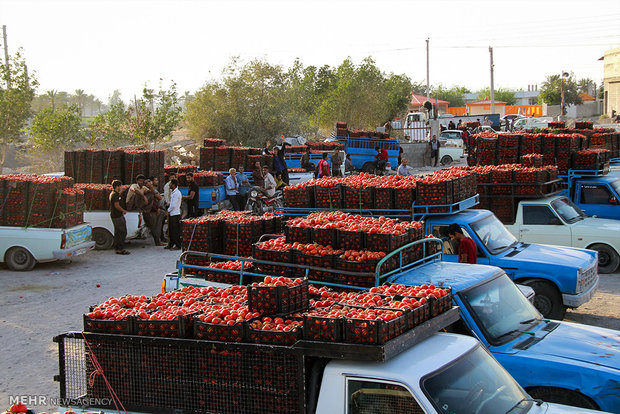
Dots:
pixel 232 189
pixel 257 175
pixel 467 247
pixel 323 167
pixel 279 162
pixel 451 125
pixel 167 189
pixel 192 196
pixel 402 168
pixel 174 217
pixel 153 216
pixel 348 164
pixel 306 164
pixel 117 214
pixel 270 182
pixel 433 146
pixel 337 160
pixel 266 150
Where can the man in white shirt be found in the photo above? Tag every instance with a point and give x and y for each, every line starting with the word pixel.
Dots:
pixel 174 217
pixel 167 190
pixel 270 182
pixel 232 189
pixel 402 168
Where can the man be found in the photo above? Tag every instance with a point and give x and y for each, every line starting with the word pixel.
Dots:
pixel 348 164
pixel 270 182
pixel 487 122
pixel 337 161
pixel 305 161
pixel 117 214
pixel 433 146
pixel 192 196
pixel 381 158
pixel 467 247
pixel 257 175
pixel 167 189
pixel 402 168
pixel 266 150
pixel 136 196
pixel 153 216
pixel 232 189
pixel 174 217
pixel 322 169
pixel 451 125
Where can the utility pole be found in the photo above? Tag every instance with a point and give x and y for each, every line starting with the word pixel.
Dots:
pixel 428 84
pixel 492 87
pixel 6 46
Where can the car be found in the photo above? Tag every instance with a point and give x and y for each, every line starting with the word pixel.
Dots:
pixel 507 120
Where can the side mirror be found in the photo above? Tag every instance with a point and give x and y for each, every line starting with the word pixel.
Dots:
pixel 555 221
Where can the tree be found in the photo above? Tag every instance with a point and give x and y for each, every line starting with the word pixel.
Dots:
pixel 54 130
pixel 454 95
pixel 501 94
pixel 111 127
pixel 51 95
pixel 80 98
pixel 586 85
pixel 17 90
pixel 115 98
pixel 550 91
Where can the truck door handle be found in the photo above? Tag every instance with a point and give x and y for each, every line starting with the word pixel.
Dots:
pixel 525 229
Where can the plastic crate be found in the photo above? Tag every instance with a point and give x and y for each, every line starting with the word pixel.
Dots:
pixel 274 337
pixel 325 237
pixel 272 300
pixel 434 193
pixel 384 242
pixel 373 331
pixel 322 328
pixel 297 234
pixel 351 240
pixel 404 198
pixel 384 198
pixel 122 327
pixel 279 256
pixel 358 198
pixel 216 332
pixel 179 327
pixel 299 197
pixel 328 197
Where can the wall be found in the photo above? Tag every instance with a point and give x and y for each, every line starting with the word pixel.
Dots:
pixel 486 109
pixel 585 110
pixel 611 80
pixel 415 153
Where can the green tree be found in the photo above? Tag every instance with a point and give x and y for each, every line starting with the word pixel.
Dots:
pixel 51 95
pixel 501 94
pixel 17 90
pixel 550 91
pixel 454 95
pixel 115 98
pixel 111 127
pixel 586 85
pixel 54 130
pixel 80 98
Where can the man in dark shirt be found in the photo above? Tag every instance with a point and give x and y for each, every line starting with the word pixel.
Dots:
pixel 117 214
pixel 192 196
pixel 467 247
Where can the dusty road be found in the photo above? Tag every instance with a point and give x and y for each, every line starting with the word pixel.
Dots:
pixel 52 298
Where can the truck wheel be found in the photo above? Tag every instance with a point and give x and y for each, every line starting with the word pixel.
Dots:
pixel 562 396
pixel 368 167
pixel 20 259
pixel 608 259
pixel 102 238
pixel 547 300
pixel 446 160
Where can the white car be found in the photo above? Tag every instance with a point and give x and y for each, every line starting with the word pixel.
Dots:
pixel 451 146
pixel 103 228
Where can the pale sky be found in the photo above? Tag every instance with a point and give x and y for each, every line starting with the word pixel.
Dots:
pixel 100 46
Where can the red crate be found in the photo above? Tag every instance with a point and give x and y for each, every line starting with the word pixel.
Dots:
pixel 278 299
pixel 274 337
pixel 351 240
pixel 322 328
pixel 373 331
pixel 122 327
pixel 218 332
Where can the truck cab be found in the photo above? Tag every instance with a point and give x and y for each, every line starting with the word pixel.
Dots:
pixel 597 196
pixel 555 361
pixel 561 277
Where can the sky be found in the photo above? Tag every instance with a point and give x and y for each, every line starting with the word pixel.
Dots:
pixel 100 46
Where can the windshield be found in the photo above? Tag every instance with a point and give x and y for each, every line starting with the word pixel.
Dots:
pixel 476 384
pixel 500 308
pixel 493 234
pixel 567 210
pixel 616 186
pixel 450 135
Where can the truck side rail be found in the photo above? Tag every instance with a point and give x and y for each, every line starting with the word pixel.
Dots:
pixel 589 173
pixel 420 212
pixel 369 143
pixel 246 272
pixel 372 212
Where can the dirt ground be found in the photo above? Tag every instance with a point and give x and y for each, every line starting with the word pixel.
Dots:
pixel 51 299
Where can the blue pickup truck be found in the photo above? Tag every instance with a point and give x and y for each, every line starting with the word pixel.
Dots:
pixel 595 194
pixel 554 361
pixel 363 151
pixel 561 276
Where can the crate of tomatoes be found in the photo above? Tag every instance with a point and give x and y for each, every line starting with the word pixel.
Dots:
pixel 315 255
pixel 275 250
pixel 274 331
pixel 327 194
pixel 275 295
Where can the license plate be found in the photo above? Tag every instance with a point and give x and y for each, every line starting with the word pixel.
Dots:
pixel 80 251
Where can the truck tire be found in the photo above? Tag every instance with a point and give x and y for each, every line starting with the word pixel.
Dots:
pixel 368 167
pixel 102 238
pixel 446 160
pixel 562 396
pixel 19 259
pixel 547 299
pixel 608 259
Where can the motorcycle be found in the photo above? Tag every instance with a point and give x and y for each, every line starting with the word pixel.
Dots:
pixel 258 203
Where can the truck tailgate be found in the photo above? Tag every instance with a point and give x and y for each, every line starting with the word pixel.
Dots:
pixel 77 235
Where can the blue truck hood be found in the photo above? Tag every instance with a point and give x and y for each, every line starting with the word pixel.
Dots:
pixel 583 343
pixel 549 255
pixel 458 275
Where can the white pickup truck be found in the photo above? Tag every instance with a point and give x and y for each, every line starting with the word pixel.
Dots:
pixel 21 248
pixel 451 147
pixel 557 220
pixel 103 228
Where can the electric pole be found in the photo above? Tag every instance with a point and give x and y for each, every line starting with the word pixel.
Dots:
pixel 6 46
pixel 428 84
pixel 492 87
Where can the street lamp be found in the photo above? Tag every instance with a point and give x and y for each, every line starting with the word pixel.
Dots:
pixel 563 104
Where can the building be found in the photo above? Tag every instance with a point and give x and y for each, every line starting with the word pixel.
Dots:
pixel 611 81
pixel 417 103
pixel 484 107
pixel 529 97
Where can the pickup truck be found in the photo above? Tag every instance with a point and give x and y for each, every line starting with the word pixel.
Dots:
pixel 593 352
pixel 363 151
pixel 103 228
pixel 451 147
pixel 596 195
pixel 561 277
pixel 554 361
pixel 21 248
pixel 557 220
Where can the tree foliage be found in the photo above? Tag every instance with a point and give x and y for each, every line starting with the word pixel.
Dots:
pixel 111 127
pixel 550 92
pixel 500 94
pixel 17 90
pixel 454 95
pixel 56 129
pixel 256 101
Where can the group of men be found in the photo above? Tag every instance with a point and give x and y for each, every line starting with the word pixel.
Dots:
pixel 156 209
pixel 238 185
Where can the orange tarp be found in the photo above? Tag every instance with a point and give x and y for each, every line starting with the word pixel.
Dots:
pixel 526 110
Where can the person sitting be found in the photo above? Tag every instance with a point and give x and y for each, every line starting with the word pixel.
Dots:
pixel 305 161
pixel 402 168
pixel 322 169
pixel 136 196
pixel 280 184
pixel 348 164
pixel 270 182
pixel 381 158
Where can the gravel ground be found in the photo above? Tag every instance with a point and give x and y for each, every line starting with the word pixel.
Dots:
pixel 51 299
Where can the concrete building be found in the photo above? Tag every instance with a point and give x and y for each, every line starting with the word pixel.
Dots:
pixel 484 107
pixel 417 103
pixel 611 81
pixel 529 97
